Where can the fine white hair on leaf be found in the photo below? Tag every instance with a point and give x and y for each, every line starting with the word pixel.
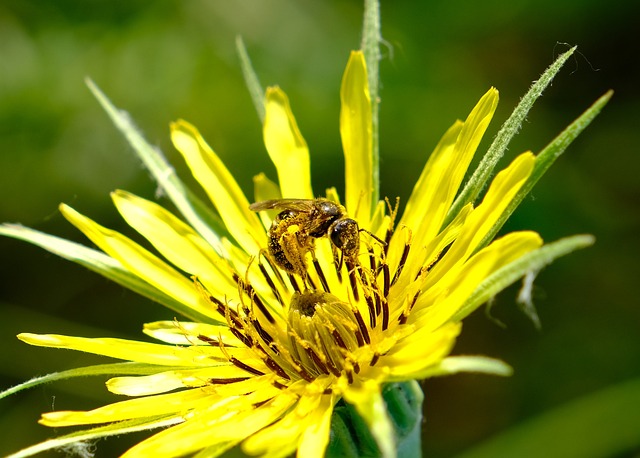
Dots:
pixel 82 449
pixel 525 298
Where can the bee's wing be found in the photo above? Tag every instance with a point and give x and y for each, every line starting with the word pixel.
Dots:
pixel 302 205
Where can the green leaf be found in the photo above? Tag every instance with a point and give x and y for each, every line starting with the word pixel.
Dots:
pixel 530 262
pixel 545 159
pixel 196 212
pixel 87 371
pixel 601 424
pixel 251 79
pixel 351 438
pixel 512 125
pixel 115 429
pixel 370 45
pixel 100 263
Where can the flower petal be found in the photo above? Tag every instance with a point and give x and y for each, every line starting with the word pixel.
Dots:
pixel 423 348
pixel 307 421
pixel 368 401
pixel 211 427
pixel 163 382
pixel 356 132
pixel 130 350
pixel 176 241
pixel 286 146
pixel 503 188
pixel 187 333
pixel 444 299
pixel 142 263
pixel 444 172
pixel 178 403
pixel 220 186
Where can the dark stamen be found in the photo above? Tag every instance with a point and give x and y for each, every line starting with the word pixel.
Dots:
pixel 403 259
pixel 316 360
pixel 271 284
pixel 375 359
pixel 225 381
pixel 275 367
pixel 236 362
pixel 361 325
pixel 294 282
pixel 209 340
pixel 353 280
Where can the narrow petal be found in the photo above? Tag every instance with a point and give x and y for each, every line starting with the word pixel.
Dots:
pixel 503 188
pixel 178 403
pixel 368 401
pixel 421 349
pixel 356 132
pixel 170 380
pixel 220 186
pixel 187 333
pixel 209 428
pixel 142 263
pixel 286 147
pixel 176 241
pixel 265 189
pixel 442 301
pixel 142 352
pixel 445 170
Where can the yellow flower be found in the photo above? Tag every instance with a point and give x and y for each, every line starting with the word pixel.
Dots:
pixel 267 351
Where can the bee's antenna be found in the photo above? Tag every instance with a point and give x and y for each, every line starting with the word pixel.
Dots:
pixel 382 242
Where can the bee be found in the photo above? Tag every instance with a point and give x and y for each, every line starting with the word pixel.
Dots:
pixel 300 222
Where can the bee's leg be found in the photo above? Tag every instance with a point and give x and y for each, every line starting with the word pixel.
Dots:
pixel 294 253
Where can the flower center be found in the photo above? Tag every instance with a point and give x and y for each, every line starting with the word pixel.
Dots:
pixel 323 333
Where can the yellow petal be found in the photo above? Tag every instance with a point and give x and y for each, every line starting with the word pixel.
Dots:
pixel 170 380
pixel 444 299
pixel 419 350
pixel 306 428
pixel 179 403
pixel 265 189
pixel 368 401
pixel 129 350
pixel 356 132
pixel 220 186
pixel 286 147
pixel 186 333
pixel 503 188
pixel 176 241
pixel 441 178
pixel 142 263
pixel 315 438
pixel 208 428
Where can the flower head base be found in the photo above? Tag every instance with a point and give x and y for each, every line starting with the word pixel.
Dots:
pixel 295 303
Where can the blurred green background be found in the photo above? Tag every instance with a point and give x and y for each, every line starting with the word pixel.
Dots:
pixel 164 60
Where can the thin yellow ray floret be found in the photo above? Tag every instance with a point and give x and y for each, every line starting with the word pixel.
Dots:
pixel 219 184
pixel 186 333
pixel 443 300
pixel 356 133
pixel 141 263
pixel 441 178
pixel 163 382
pixel 130 350
pixel 282 437
pixel 176 241
pixel 502 190
pixel 286 146
pixel 206 428
pixel 179 403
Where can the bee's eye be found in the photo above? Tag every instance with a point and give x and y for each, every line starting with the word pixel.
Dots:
pixel 344 234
